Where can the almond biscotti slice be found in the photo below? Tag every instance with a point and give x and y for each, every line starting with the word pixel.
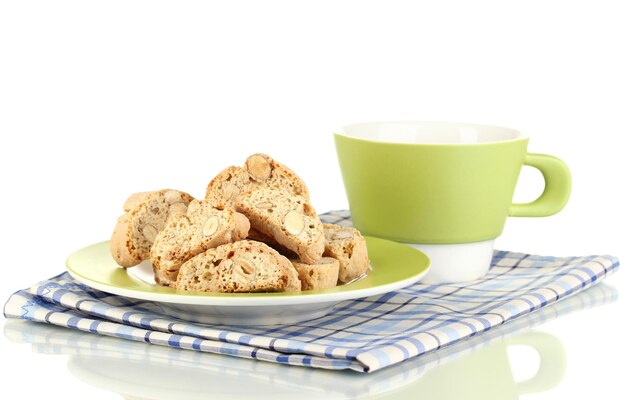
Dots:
pixel 288 219
pixel 146 215
pixel 265 170
pixel 321 275
pixel 348 246
pixel 201 228
pixel 244 266
pixel 259 170
pixel 228 185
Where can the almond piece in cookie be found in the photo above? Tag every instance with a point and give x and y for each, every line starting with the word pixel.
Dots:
pixel 243 266
pixel 201 228
pixel 288 219
pixel 259 171
pixel 146 215
pixel 347 245
pixel 321 275
pixel 253 234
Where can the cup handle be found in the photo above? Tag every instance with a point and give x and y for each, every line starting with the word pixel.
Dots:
pixel 552 361
pixel 558 185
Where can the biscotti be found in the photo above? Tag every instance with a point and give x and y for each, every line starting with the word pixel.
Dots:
pixel 321 275
pixel 259 171
pixel 201 228
pixel 347 245
pixel 146 215
pixel 243 266
pixel 288 219
pixel 254 219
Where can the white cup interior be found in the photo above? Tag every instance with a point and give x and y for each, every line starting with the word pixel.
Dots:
pixel 430 132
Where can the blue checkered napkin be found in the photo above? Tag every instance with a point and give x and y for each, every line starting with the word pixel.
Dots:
pixel 363 335
pixel 116 356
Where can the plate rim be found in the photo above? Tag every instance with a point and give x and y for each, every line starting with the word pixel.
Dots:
pixel 268 299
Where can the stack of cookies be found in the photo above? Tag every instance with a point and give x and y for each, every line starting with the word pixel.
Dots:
pixel 255 231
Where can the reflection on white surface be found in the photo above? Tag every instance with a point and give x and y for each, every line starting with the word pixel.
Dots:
pixel 477 367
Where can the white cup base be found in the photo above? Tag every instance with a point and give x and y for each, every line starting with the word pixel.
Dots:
pixel 452 263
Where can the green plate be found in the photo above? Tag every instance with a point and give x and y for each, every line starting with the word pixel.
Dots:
pixel 392 266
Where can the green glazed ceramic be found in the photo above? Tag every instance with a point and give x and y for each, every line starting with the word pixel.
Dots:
pixel 439 183
pixel 391 264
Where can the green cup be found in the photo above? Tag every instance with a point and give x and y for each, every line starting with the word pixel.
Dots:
pixel 445 188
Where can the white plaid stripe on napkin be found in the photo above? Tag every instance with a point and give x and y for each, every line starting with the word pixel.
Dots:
pixel 363 335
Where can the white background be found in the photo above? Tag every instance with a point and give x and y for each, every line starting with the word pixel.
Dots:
pixel 102 99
